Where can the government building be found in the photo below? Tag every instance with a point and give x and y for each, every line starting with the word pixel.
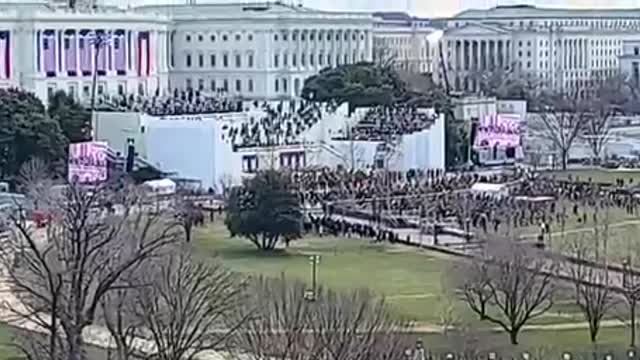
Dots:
pixel 265 51
pixel 252 51
pixel 564 48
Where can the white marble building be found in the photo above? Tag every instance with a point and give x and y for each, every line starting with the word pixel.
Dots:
pixel 254 51
pixel 263 51
pixel 408 43
pixel 44 49
pixel 562 47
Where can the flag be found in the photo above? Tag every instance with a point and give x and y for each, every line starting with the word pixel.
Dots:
pixel 49 51
pixel 99 44
pixel 120 52
pixel 70 53
pixel 85 52
pixel 5 55
pixel 143 53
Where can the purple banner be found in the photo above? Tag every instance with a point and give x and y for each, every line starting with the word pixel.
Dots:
pixel 120 52
pixel 49 51
pixel 87 162
pixel 70 52
pixel 84 47
pixel 499 130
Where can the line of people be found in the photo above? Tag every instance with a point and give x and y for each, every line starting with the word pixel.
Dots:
pixel 381 122
pixel 178 102
pixel 281 125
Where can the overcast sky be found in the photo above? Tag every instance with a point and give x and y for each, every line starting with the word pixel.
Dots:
pixel 424 8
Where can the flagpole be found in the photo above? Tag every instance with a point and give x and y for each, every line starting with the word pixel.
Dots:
pixel 98 42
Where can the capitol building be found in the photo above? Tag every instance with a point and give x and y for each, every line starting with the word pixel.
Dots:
pixel 267 50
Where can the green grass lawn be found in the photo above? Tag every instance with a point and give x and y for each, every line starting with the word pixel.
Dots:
pixel 597 175
pixel 413 281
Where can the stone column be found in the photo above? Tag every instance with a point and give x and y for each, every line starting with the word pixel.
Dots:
pixel 478 54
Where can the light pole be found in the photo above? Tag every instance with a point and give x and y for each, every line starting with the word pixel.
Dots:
pixel 632 289
pixel 311 294
pixel 99 41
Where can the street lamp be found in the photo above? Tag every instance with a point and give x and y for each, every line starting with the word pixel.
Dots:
pixel 99 40
pixel 311 294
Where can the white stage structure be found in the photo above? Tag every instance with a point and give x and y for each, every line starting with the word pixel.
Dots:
pixel 195 147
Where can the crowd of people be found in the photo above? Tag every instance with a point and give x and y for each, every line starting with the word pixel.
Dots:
pixel 447 199
pixel 178 102
pixel 281 125
pixel 382 122
pixel 325 225
pixel 326 185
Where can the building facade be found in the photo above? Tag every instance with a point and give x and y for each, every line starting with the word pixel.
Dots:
pixel 406 42
pixel 261 51
pixel 46 48
pixel 258 51
pixel 563 48
pixel 630 61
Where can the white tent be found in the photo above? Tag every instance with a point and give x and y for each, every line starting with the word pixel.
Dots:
pixel 161 187
pixel 491 189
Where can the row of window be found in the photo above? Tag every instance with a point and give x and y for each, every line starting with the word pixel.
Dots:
pixel 212 38
pixel 223 85
pixel 213 60
pixel 315 60
pixel 278 60
pixel 312 36
pixel 596 24
pixel 294 36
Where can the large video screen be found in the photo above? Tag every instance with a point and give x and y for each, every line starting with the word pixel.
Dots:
pixel 88 162
pixel 499 130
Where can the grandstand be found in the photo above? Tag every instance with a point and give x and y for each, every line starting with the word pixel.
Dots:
pixel 211 144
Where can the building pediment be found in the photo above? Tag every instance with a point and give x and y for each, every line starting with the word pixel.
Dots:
pixel 475 29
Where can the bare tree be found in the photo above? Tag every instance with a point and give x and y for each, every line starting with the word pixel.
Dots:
pixel 467 341
pixel 329 325
pixel 118 316
pixel 448 318
pixel 608 99
pixel 226 183
pixel 61 274
pixel 278 329
pixel 188 306
pixel 471 281
pixel 355 326
pixel 562 118
pixel 520 285
pixel 592 293
pixel 188 215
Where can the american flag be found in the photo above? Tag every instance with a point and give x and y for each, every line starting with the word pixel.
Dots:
pixel 70 53
pixel 5 55
pixel 49 50
pixel 144 54
pixel 99 41
pixel 85 52
pixel 120 52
